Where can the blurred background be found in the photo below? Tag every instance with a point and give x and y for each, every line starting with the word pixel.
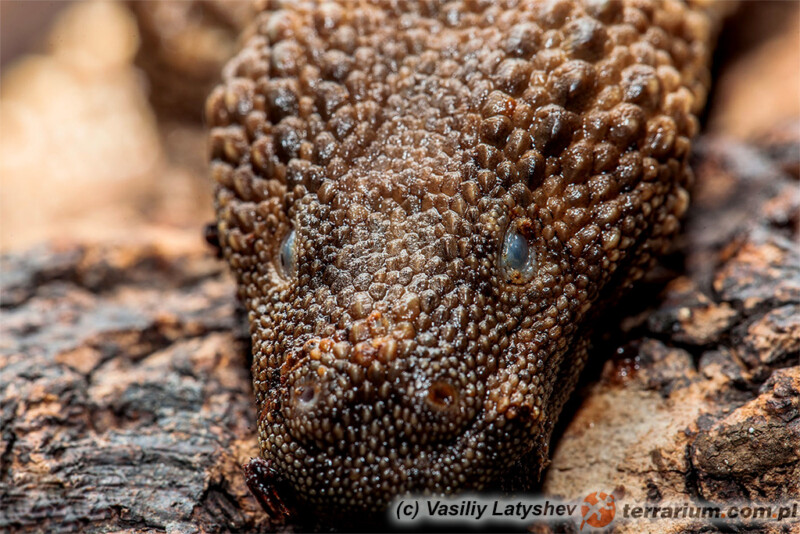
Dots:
pixel 101 109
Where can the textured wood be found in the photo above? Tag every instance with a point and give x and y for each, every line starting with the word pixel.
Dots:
pixel 125 398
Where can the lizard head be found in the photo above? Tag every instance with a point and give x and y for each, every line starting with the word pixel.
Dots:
pixel 421 208
pixel 403 348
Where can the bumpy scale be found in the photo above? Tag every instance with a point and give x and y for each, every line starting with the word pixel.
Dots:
pixel 423 204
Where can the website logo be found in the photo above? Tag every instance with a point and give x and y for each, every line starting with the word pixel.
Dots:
pixel 598 509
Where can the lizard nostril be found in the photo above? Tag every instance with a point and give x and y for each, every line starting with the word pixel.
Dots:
pixel 304 394
pixel 442 395
pixel 303 398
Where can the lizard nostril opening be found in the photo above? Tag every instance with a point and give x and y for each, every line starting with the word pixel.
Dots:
pixel 304 394
pixel 442 395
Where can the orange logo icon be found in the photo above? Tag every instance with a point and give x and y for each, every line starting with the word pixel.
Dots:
pixel 598 510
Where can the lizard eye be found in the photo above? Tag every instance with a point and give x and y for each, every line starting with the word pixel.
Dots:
pixel 517 258
pixel 288 256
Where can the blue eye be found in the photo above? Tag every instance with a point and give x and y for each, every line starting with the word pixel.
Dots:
pixel 288 255
pixel 517 259
pixel 516 251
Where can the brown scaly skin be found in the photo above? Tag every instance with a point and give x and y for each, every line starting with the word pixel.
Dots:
pixel 403 144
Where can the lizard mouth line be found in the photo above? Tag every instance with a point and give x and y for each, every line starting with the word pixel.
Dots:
pixel 423 463
pixel 311 446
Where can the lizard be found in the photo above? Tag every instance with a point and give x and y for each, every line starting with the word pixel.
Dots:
pixel 425 204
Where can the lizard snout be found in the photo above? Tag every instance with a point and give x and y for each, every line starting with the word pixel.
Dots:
pixel 340 395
